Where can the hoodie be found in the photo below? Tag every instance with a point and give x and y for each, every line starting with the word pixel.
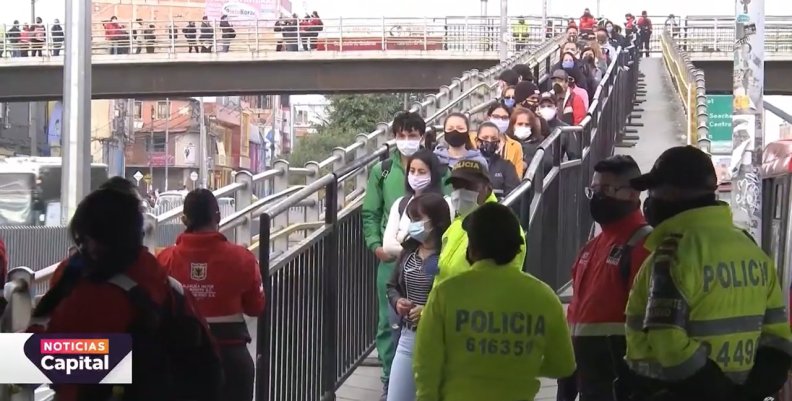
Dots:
pixel 472 154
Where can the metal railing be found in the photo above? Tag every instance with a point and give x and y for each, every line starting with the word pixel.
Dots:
pixel 717 40
pixel 288 229
pixel 690 84
pixel 175 39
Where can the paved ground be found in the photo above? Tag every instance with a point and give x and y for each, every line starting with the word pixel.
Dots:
pixel 664 127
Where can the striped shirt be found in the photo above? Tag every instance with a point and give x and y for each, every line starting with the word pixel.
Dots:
pixel 416 281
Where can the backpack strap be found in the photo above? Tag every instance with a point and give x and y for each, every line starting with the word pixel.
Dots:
pixel 625 262
pixel 403 204
pixel 386 166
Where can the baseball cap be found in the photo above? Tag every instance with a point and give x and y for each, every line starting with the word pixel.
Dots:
pixel 560 74
pixel 684 167
pixel 469 170
pixel 524 90
pixel 547 97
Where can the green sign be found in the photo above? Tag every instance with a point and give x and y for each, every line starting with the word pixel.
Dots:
pixel 719 109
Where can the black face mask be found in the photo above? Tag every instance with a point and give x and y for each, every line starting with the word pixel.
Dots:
pixel 488 149
pixel 606 210
pixel 657 211
pixel 456 138
pixel 558 89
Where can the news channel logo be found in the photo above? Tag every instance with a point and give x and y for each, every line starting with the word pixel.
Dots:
pixel 66 358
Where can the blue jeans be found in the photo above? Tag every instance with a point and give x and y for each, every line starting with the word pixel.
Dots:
pixel 402 382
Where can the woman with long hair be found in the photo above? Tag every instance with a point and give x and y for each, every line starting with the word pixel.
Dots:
pixel 508 149
pixel 459 144
pixel 411 283
pixel 424 175
pixel 526 128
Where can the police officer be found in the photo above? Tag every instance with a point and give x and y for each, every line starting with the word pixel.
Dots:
pixel 705 318
pixel 488 333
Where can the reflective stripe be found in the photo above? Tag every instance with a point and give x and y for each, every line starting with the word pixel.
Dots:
pixel 596 329
pixel 774 341
pixel 714 327
pixel 653 369
pixel 775 316
pixel 237 318
pixel 635 322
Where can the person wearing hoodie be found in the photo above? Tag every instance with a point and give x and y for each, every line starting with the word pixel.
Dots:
pixel 508 78
pixel 525 72
pixel 508 149
pixel 386 185
pixel 57 37
pixel 458 145
pixel 526 95
pixel 587 21
pixel 502 173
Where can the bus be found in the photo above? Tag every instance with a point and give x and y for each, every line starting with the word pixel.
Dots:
pixel 30 189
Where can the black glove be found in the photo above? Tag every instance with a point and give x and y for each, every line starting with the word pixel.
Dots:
pixel 769 373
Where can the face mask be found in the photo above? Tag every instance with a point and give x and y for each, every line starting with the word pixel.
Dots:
pixel 455 138
pixel 502 125
pixel 464 201
pixel 417 231
pixel 522 133
pixel 508 103
pixel 657 211
pixel 548 113
pixel 488 149
pixel 567 64
pixel 408 147
pixel 557 88
pixel 609 29
pixel 605 210
pixel 418 182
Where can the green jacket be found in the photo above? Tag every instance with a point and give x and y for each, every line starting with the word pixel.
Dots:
pixel 381 192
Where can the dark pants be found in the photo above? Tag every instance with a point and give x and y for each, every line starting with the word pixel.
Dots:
pixel 600 360
pixel 239 372
pixel 643 43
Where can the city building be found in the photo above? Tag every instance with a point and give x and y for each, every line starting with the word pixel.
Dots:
pixel 785 131
pixel 308 111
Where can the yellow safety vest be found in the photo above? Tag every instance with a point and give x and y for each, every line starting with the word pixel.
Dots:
pixel 488 334
pixel 706 291
pixel 520 31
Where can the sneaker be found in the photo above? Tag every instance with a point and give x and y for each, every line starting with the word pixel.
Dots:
pixel 384 396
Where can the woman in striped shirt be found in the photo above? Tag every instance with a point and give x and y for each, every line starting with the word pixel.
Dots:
pixel 412 281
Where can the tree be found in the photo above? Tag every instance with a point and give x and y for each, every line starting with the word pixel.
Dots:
pixel 348 115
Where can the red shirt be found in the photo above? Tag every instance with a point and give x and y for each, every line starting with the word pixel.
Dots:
pixel 599 290
pixel 224 278
pixel 645 23
pixel 587 23
pixel 574 105
pixel 105 308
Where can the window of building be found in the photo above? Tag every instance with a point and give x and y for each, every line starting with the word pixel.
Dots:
pixel 265 102
pixel 138 110
pixel 301 118
pixel 162 110
pixel 157 145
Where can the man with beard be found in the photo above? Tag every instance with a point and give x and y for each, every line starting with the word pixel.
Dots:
pixel 602 277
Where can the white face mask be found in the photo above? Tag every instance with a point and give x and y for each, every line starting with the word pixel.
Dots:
pixel 464 201
pixel 418 182
pixel 502 125
pixel 548 113
pixel 522 133
pixel 408 147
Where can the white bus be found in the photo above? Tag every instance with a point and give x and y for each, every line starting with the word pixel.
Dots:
pixel 31 186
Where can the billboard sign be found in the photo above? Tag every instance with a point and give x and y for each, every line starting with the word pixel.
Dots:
pixel 243 12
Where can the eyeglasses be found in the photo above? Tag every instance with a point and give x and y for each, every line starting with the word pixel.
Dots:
pixel 499 117
pixel 606 190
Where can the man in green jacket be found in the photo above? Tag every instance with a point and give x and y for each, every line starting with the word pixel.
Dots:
pixel 386 183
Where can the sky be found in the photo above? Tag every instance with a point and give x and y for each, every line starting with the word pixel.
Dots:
pixel 50 9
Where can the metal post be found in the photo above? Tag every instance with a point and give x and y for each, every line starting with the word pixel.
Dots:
pixel 75 175
pixel 33 128
pixel 151 151
pixel 130 125
pixel 544 17
pixel 202 143
pixel 748 115
pixel 598 10
pixel 167 138
pixel 504 29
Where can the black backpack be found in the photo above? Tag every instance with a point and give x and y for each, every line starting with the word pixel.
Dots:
pixel 174 357
pixel 625 259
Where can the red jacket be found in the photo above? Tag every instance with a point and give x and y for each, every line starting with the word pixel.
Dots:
pixel 223 277
pixel 644 23
pixel 587 23
pixel 574 107
pixel 104 308
pixel 599 290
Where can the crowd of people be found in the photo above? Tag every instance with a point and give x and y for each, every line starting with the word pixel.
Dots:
pixel 29 40
pixel 607 32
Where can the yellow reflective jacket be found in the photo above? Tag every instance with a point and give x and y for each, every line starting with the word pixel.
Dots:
pixel 706 291
pixel 453 260
pixel 487 334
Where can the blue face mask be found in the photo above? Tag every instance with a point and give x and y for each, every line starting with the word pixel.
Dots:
pixel 418 231
pixel 508 103
pixel 567 64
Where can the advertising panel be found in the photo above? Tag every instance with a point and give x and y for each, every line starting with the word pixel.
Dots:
pixel 243 12
pixel 186 151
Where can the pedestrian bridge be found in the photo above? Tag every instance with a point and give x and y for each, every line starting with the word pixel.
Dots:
pixel 348 55
pixel 710 48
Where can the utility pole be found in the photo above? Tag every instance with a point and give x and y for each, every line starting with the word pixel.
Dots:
pixel 748 115
pixel 167 138
pixel 504 29
pixel 544 17
pixel 203 144
pixel 151 151
pixel 75 174
pixel 32 106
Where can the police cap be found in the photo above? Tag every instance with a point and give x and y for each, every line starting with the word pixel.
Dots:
pixel 469 171
pixel 682 167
